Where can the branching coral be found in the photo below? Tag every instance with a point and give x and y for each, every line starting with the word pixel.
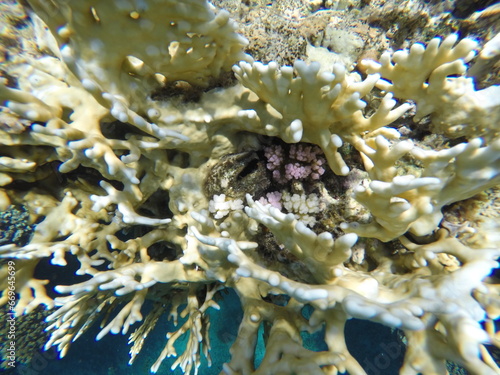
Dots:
pixel 318 107
pixel 423 74
pixel 166 181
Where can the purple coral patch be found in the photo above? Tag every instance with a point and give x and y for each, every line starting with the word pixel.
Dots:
pixel 301 162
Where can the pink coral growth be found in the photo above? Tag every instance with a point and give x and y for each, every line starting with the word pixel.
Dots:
pixel 273 198
pixel 303 161
pixel 297 171
pixel 303 153
pixel 274 156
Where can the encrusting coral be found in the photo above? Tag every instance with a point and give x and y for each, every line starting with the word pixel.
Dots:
pixel 166 179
